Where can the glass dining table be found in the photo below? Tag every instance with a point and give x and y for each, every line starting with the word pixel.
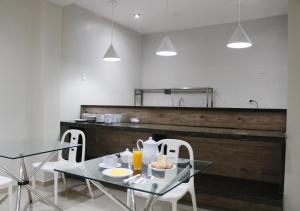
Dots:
pixel 22 149
pixel 156 184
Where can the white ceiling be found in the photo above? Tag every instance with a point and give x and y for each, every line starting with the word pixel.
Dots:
pixel 183 14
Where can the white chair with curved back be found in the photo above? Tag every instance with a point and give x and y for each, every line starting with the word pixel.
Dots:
pixel 61 162
pixel 172 147
pixel 6 182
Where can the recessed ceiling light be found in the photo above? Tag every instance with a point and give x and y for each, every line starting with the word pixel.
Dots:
pixel 137 15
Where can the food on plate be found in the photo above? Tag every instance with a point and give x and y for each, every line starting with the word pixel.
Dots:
pixel 118 172
pixel 162 163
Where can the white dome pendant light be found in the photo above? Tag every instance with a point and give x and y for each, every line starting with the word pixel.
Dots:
pixel 166 47
pixel 239 38
pixel 111 54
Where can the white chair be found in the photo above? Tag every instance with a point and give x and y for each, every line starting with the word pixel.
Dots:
pixel 50 166
pixel 173 146
pixel 6 182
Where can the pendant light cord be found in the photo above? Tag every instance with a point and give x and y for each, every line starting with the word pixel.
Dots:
pixel 167 16
pixel 239 11
pixel 112 21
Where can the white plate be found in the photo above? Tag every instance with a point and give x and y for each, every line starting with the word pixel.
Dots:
pixel 107 172
pixel 80 120
pixel 102 165
pixel 162 170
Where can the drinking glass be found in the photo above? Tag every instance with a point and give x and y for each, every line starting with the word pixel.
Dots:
pixel 137 159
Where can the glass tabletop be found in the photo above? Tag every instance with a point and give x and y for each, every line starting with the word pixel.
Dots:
pixel 26 148
pixel 166 181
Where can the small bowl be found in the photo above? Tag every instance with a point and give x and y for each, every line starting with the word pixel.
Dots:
pixel 91 119
pixel 100 118
pixel 167 174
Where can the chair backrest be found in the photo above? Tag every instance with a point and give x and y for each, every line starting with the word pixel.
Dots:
pixel 173 147
pixel 74 139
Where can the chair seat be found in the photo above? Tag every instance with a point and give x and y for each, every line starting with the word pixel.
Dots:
pixel 5 182
pixel 175 194
pixel 50 166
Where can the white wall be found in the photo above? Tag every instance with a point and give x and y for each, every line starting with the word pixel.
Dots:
pixel 259 72
pixel 45 85
pixel 16 62
pixel 292 171
pixel 30 41
pixel 44 88
pixel 39 85
pixel 86 79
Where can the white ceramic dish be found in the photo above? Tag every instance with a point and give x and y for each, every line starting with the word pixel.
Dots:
pixel 102 165
pixel 162 170
pixel 107 172
pixel 91 118
pixel 100 118
pixel 80 120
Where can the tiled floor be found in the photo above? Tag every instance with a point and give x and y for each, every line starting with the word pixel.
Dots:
pixel 77 199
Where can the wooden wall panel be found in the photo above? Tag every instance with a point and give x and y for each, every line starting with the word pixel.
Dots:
pixel 222 118
pixel 241 159
pixel 108 141
pixel 247 159
pixel 259 161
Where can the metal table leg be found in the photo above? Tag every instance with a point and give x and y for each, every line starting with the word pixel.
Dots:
pixel 24 176
pixel 42 198
pixel 151 198
pixel 36 170
pixel 111 196
pixel 132 197
pixel 18 202
pixel 23 182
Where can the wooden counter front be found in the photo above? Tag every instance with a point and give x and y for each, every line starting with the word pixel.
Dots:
pixel 248 164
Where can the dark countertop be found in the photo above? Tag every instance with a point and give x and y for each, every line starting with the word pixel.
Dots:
pixel 190 108
pixel 222 133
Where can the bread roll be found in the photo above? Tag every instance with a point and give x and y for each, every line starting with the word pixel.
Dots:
pixel 162 163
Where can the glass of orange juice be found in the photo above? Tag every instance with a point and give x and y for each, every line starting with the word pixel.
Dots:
pixel 137 159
